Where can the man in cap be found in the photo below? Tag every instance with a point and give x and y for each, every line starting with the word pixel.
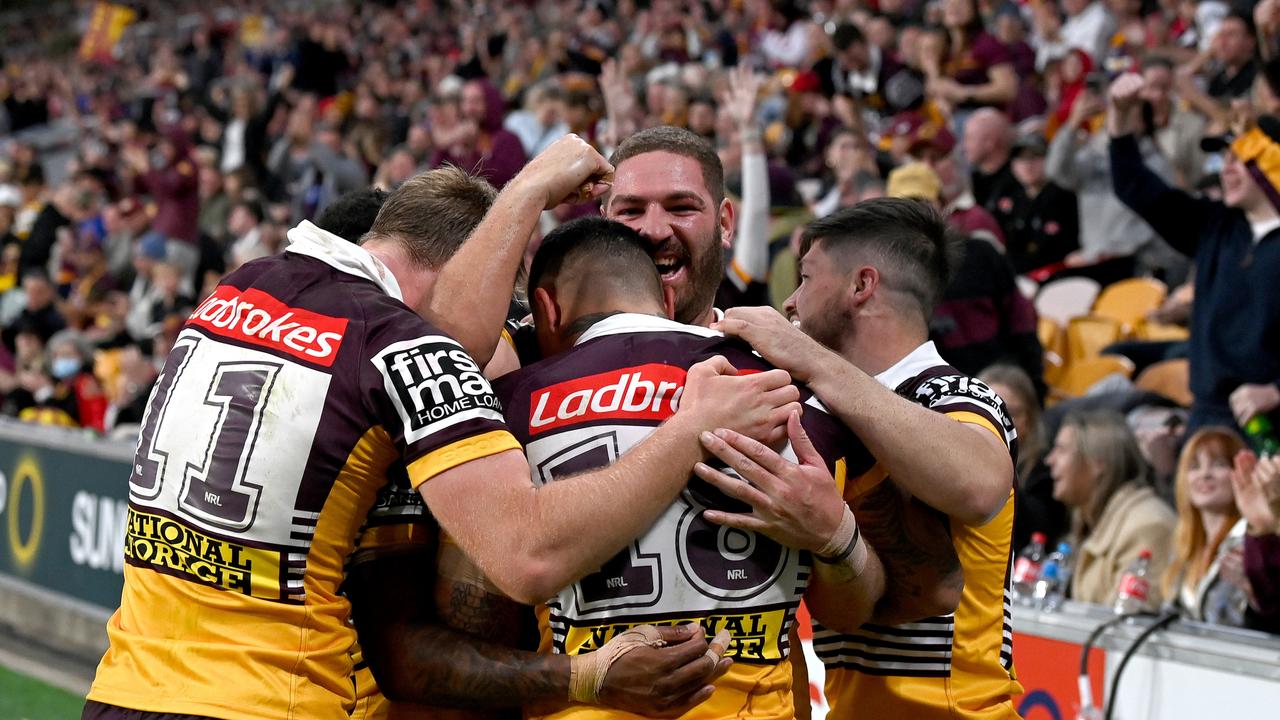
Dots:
pixel 1040 219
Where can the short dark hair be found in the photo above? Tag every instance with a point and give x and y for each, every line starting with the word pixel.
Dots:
pixel 351 215
pixel 906 237
pixel 678 141
pixel 432 213
pixel 1156 60
pixel 618 254
pixel 1246 18
pixel 252 206
pixel 846 35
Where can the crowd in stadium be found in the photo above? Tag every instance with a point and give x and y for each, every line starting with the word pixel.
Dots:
pixel 1128 150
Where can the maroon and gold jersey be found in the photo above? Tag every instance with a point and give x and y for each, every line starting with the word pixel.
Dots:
pixel 583 409
pixel 954 666
pixel 286 399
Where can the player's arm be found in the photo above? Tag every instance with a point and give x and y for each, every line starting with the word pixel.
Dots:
pixel 799 505
pixel 417 659
pixel 962 469
pixel 491 255
pixel 650 681
pixel 532 541
pixel 923 577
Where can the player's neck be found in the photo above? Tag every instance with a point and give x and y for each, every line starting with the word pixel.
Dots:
pixel 415 281
pixel 880 343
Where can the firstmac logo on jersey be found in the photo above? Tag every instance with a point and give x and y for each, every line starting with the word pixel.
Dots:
pixel 435 384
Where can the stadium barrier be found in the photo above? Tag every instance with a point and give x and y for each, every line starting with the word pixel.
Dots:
pixel 62 514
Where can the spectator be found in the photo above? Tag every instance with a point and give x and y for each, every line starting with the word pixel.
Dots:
pixel 1078 161
pixel 174 186
pixel 1040 220
pixel 479 142
pixel 988 140
pixel 857 68
pixel 1036 510
pixel 70 395
pixel 969 68
pixel 1099 473
pixel 1236 258
pixel 1089 27
pixel 71 204
pixel 1177 134
pixel 244 128
pixel 39 314
pixel 542 121
pixel 245 227
pixel 1208 529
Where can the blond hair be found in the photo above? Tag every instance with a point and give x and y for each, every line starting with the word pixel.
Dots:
pixel 1104 440
pixel 432 213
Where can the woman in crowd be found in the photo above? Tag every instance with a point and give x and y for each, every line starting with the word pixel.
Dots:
pixel 1209 528
pixel 1099 473
pixel 1035 510
pixel 975 70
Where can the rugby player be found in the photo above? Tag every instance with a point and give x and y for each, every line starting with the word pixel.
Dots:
pixel 614 368
pixel 287 397
pixel 945 446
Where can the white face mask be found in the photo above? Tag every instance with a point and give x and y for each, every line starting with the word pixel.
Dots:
pixel 64 367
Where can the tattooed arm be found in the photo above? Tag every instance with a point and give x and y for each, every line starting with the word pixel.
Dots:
pixel 923 577
pixel 417 659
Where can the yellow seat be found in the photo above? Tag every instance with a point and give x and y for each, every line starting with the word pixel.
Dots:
pixel 1081 375
pixel 1160 332
pixel 1170 378
pixel 1050 335
pixel 1129 301
pixel 1087 336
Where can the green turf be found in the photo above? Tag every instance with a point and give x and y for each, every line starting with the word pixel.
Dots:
pixel 22 698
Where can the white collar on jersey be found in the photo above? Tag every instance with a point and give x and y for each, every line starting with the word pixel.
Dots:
pixel 917 361
pixel 308 239
pixel 625 323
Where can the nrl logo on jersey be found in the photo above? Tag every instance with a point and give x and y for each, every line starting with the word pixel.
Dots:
pixel 435 384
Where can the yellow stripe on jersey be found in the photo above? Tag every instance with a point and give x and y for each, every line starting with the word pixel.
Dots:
pixel 463 451
pixel 742 274
pixel 391 536
pixel 506 335
pixel 754 636
pixel 842 472
pixel 172 547
pixel 864 482
pixel 972 418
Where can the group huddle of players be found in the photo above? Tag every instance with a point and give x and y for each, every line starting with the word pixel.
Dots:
pixel 362 491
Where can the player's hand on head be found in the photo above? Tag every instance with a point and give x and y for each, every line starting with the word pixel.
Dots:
pixel 666 681
pixel 756 405
pixel 795 504
pixel 569 170
pixel 775 338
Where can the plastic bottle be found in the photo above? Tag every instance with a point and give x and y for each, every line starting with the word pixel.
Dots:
pixel 1054 576
pixel 1262 435
pixel 1026 570
pixel 1134 589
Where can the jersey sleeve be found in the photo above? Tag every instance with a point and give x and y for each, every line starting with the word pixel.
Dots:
pixel 968 400
pixel 432 398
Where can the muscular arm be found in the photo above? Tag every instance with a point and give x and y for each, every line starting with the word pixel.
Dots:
pixel 958 468
pixel 417 659
pixel 923 577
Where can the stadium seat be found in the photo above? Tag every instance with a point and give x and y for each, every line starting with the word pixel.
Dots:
pixel 1080 376
pixel 1028 286
pixel 1154 331
pixel 1129 301
pixel 1051 336
pixel 1171 378
pixel 1061 300
pixel 1087 336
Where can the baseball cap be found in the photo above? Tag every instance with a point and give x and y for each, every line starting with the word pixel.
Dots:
pixel 152 245
pixel 1033 143
pixel 914 180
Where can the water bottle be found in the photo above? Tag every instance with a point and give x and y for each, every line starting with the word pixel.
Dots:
pixel 1026 570
pixel 1054 576
pixel 1134 589
pixel 1262 435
